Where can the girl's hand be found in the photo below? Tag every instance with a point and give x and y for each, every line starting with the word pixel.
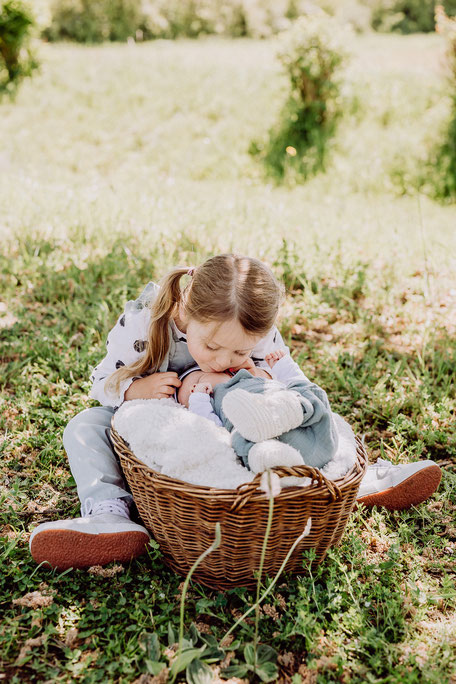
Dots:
pixel 250 366
pixel 204 387
pixel 247 364
pixel 155 386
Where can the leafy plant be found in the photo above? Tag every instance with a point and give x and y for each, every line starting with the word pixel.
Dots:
pixel 445 159
pixel 407 16
pixel 93 21
pixel 17 60
pixel 97 20
pixel 312 53
pixel 260 661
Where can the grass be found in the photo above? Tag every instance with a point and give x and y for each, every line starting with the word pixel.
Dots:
pixel 118 162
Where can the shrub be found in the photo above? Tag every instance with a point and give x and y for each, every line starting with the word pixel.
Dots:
pixel 89 21
pixel 313 54
pixel 444 165
pixel 16 57
pixel 93 21
pixel 407 16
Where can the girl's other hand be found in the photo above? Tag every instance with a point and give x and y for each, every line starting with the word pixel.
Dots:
pixel 253 370
pixel 155 386
pixel 247 364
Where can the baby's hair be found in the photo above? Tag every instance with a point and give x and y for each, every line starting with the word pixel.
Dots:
pixel 223 288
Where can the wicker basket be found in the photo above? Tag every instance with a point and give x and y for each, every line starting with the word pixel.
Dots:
pixel 182 519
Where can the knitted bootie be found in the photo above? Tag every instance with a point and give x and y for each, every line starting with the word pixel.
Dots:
pixel 263 416
pixel 272 453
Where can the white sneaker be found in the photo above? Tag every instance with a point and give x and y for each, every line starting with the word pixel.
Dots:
pixel 103 535
pixel 397 487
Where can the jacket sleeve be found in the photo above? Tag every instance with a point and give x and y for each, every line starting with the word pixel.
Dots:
pixel 272 342
pixel 317 434
pixel 287 370
pixel 200 403
pixel 126 343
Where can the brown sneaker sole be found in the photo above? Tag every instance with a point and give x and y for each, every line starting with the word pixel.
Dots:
pixel 64 549
pixel 412 491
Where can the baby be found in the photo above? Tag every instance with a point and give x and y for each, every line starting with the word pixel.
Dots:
pixel 285 420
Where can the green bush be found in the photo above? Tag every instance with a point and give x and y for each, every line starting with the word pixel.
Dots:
pixel 444 163
pixel 434 173
pixel 89 21
pixel 407 16
pixel 313 53
pixel 16 56
pixel 93 21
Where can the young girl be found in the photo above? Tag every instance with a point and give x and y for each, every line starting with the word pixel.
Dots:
pixel 222 318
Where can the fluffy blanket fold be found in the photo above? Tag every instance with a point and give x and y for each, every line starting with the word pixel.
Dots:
pixel 175 442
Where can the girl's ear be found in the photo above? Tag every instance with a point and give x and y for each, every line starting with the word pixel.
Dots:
pixel 183 318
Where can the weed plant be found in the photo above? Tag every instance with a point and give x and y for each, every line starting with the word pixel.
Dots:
pixel 106 187
pixel 407 16
pixel 94 22
pixel 312 54
pixel 17 59
pixel 445 161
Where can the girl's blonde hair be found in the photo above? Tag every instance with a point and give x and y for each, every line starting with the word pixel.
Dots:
pixel 223 288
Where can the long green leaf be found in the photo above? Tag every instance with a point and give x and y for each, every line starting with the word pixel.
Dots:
pixel 198 672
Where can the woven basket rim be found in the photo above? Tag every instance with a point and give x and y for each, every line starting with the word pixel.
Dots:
pixel 204 492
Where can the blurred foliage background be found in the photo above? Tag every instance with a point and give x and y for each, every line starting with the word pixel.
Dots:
pixel 92 21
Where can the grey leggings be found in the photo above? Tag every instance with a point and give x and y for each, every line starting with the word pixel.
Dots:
pixel 93 463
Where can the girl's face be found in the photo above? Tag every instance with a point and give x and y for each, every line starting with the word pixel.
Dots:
pixel 219 346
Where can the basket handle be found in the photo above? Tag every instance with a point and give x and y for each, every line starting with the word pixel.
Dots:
pixel 247 490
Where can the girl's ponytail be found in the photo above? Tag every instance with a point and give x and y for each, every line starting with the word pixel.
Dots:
pixel 162 308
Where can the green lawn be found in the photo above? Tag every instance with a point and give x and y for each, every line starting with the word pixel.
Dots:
pixel 117 162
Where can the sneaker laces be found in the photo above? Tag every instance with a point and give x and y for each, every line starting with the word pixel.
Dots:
pixel 113 506
pixel 383 464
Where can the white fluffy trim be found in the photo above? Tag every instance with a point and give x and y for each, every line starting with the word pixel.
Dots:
pixel 180 444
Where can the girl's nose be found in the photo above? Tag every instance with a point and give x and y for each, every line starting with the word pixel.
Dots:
pixel 223 362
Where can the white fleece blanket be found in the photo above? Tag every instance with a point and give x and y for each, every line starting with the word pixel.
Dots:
pixel 178 443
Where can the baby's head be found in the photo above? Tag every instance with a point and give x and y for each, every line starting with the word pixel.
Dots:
pixel 198 376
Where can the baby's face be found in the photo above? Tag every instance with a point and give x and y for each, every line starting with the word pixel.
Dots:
pixel 191 379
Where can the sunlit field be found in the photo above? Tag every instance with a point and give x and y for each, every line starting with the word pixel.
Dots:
pixel 120 161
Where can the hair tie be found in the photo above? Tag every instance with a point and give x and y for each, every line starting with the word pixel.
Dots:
pixel 191 271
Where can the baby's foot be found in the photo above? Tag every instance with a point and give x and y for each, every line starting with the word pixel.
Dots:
pixel 272 453
pixel 272 358
pixel 262 416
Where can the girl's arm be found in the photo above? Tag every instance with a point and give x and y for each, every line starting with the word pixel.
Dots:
pixel 286 370
pixel 126 343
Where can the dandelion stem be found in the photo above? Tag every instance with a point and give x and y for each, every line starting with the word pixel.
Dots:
pixel 271 586
pixel 260 570
pixel 213 547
